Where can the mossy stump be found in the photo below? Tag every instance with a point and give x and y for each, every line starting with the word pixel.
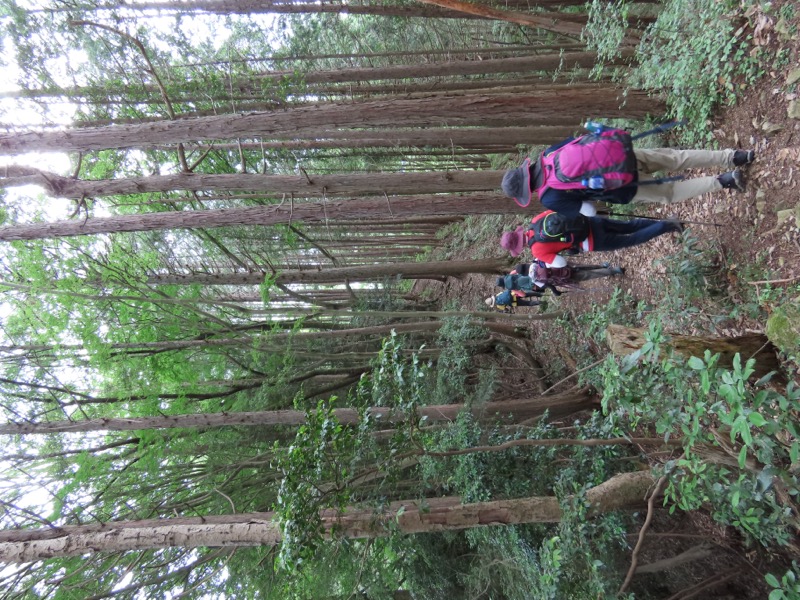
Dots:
pixel 626 340
pixel 783 328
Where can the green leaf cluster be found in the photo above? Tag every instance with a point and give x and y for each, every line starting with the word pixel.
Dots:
pixel 739 438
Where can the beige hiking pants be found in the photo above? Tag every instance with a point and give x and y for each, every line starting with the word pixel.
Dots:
pixel 650 160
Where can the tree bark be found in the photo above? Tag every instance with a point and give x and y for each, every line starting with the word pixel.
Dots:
pixel 538 21
pixel 623 491
pixel 516 64
pixel 436 137
pixel 404 270
pixel 395 207
pixel 511 411
pixel 311 185
pixel 626 340
pixel 513 110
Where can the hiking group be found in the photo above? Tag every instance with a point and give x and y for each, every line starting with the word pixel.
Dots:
pixel 569 179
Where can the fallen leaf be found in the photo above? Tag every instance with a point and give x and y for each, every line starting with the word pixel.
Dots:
pixel 771 128
pixel 762 30
pixel 792 152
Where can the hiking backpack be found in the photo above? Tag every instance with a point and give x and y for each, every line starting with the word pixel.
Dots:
pixel 516 281
pixel 601 161
pixel 555 227
pixel 553 275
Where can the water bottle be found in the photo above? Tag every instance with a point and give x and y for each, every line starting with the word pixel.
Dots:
pixel 594 127
pixel 595 182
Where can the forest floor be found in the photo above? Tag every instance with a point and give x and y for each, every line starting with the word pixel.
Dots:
pixel 742 238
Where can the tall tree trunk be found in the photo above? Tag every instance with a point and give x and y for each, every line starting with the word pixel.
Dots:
pixel 250 7
pixel 311 185
pixel 543 20
pixel 510 411
pixel 456 68
pixel 396 207
pixel 513 110
pixel 623 491
pixel 274 341
pixel 404 270
pixel 435 137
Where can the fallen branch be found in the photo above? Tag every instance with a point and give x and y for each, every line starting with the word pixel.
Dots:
pixel 769 281
pixel 705 585
pixel 698 552
pixel 570 376
pixel 660 484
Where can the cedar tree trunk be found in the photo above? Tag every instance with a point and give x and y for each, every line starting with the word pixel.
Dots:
pixel 623 491
pixel 511 411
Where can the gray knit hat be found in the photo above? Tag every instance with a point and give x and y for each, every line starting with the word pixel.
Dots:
pixel 517 183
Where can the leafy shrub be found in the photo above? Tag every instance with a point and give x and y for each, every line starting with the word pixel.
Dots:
pixel 694 53
pixel 788 587
pixel 619 308
pixel 606 28
pixel 456 336
pixel 739 440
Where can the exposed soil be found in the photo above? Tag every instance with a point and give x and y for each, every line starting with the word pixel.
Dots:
pixel 753 236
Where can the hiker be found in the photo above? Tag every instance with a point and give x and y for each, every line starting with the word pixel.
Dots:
pixel 568 277
pixel 517 289
pixel 603 165
pixel 508 300
pixel 550 233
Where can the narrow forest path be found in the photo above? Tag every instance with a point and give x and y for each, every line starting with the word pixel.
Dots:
pixel 732 240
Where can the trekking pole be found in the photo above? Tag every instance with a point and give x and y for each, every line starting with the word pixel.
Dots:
pixel 610 214
pixel 664 127
pixel 591 289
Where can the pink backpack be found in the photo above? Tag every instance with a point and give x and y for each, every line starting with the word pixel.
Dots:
pixel 607 155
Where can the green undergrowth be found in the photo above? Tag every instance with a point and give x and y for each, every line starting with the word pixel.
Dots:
pixel 698 54
pixel 330 466
pixel 475 237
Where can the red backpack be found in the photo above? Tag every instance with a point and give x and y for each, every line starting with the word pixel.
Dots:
pixel 607 154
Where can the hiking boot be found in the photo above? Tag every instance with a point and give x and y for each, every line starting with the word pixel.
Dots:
pixel 675 224
pixel 617 270
pixel 734 180
pixel 743 157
